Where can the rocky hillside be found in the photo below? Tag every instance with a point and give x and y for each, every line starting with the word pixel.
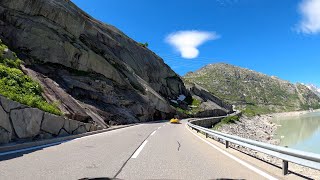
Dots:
pixel 256 92
pixel 90 70
pixel 314 89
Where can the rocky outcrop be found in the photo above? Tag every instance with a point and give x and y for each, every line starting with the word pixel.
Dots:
pixel 19 122
pixel 314 89
pixel 254 91
pixel 210 101
pixel 92 69
pixel 209 104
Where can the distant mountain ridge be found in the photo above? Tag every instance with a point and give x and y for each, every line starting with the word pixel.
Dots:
pixel 314 89
pixel 253 91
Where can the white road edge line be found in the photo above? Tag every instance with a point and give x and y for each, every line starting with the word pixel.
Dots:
pixel 159 127
pixel 256 170
pixel 136 154
pixel 153 133
pixel 31 148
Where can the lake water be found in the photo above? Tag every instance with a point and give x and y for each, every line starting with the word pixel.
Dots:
pixel 300 132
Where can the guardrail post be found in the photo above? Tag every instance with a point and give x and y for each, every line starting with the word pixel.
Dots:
pixel 285 166
pixel 227 144
pixel 206 135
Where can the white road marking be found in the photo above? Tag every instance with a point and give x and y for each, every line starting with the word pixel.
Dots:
pixel 159 127
pixel 153 133
pixel 256 170
pixel 136 154
pixel 31 148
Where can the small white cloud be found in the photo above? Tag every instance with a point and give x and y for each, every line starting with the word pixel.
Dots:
pixel 187 42
pixel 310 11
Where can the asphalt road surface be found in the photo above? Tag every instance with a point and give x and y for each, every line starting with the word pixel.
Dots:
pixel 145 151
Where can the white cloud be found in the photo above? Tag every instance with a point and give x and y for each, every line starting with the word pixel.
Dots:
pixel 310 11
pixel 187 42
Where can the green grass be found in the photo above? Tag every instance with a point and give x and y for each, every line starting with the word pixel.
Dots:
pixel 15 85
pixel 145 45
pixel 226 120
pixel 194 107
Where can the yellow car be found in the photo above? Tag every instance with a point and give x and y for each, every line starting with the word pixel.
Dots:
pixel 174 121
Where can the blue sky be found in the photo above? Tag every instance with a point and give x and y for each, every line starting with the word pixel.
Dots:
pixel 280 38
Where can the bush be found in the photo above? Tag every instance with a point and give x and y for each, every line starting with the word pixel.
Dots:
pixel 15 85
pixel 226 120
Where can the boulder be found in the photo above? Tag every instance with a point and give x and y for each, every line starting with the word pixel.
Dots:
pixel 26 122
pixel 52 123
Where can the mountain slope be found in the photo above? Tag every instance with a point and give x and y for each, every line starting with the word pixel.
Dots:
pixel 92 70
pixel 314 89
pixel 255 91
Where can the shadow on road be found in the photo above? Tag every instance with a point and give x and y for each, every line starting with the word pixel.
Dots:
pixel 4 156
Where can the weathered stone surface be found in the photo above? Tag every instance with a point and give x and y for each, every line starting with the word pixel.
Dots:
pixel 52 123
pixel 26 122
pixel 87 126
pixel 71 125
pixel 45 135
pixel 63 133
pixel 33 124
pixel 58 32
pixel 81 129
pixel 8 104
pixel 5 136
pixel 5 127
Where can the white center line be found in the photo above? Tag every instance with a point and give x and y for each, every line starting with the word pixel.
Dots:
pixel 136 154
pixel 153 133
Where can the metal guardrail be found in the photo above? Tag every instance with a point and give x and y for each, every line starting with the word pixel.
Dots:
pixel 302 158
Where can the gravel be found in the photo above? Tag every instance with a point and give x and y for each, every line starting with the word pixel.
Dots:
pixel 262 129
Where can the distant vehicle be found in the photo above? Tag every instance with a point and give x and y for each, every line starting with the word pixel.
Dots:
pixel 174 121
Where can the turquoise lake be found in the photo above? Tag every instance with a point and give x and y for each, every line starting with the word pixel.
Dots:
pixel 300 132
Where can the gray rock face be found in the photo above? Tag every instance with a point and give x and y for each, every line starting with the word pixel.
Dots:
pixel 5 127
pixel 26 122
pixel 98 66
pixel 8 105
pixel 52 124
pixel 33 124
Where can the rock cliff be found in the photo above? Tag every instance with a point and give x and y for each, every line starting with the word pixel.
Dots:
pixel 92 70
pixel 256 92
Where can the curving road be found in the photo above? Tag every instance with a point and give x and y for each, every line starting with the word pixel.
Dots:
pixel 145 151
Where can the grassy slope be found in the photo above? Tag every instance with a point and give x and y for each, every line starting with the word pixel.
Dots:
pixel 253 92
pixel 15 85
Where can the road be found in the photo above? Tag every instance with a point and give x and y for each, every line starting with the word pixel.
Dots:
pixel 145 151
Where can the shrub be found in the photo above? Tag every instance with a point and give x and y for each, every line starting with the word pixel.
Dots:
pixel 15 85
pixel 226 120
